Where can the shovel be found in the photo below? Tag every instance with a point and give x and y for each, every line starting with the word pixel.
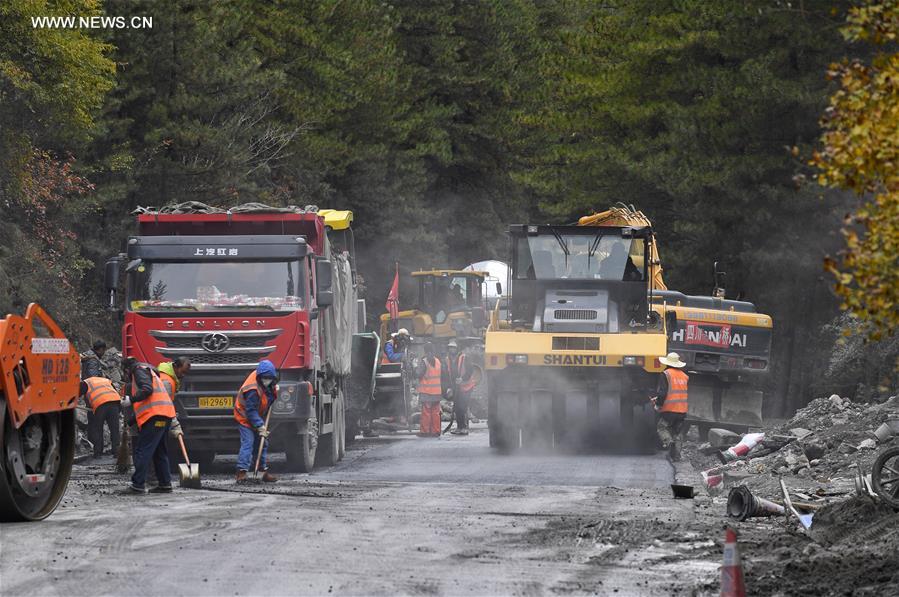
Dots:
pixel 262 440
pixel 189 474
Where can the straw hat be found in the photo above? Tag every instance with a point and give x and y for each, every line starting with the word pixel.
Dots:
pixel 673 360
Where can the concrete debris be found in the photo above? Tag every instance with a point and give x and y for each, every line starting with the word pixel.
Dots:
pixel 885 431
pixel 723 438
pixel 812 448
pixel 799 432
pixel 837 401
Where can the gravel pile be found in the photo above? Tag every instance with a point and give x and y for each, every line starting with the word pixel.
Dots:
pixel 817 451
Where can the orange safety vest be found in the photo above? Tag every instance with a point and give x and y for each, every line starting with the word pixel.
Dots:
pixel 240 405
pixel 430 382
pixel 676 400
pixel 99 391
pixel 169 382
pixel 468 384
pixel 158 404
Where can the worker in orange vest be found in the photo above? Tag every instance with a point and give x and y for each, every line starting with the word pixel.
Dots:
pixel 106 405
pixel 171 373
pixel 460 374
pixel 255 397
pixel 154 411
pixel 430 391
pixel 671 401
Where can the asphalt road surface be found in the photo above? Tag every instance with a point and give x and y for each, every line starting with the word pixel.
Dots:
pixel 400 515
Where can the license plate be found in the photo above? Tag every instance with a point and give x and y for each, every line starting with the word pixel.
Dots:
pixel 216 402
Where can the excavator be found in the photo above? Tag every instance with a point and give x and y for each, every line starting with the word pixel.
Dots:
pixel 726 343
pixel 576 356
pixel 39 379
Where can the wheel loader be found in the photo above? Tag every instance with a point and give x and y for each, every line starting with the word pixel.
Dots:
pixel 39 381
pixel 573 363
pixel 450 305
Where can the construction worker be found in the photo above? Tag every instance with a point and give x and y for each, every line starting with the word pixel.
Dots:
pixel 171 373
pixel 91 366
pixel 254 398
pixel 105 403
pixel 430 391
pixel 395 348
pixel 671 401
pixel 153 411
pixel 459 372
pixel 90 360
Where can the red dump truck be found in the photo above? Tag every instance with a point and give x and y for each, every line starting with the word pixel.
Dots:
pixel 228 288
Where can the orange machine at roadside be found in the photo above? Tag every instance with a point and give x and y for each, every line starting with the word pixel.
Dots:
pixel 39 379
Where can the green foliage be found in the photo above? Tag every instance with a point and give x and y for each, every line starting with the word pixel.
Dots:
pixel 438 122
pixel 52 81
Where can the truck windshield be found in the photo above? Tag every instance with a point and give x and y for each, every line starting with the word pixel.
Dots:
pixel 591 256
pixel 268 285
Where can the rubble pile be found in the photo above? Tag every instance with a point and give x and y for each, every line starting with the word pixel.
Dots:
pixel 819 450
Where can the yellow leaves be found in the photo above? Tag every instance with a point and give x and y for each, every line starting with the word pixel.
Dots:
pixel 860 153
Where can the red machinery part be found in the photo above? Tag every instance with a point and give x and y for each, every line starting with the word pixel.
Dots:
pixel 39 379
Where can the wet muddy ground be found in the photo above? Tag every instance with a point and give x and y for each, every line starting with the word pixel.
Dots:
pixel 400 515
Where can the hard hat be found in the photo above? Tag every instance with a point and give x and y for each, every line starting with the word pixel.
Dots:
pixel 452 344
pixel 402 332
pixel 673 360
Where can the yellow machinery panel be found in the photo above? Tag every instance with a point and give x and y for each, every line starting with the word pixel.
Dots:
pixel 542 350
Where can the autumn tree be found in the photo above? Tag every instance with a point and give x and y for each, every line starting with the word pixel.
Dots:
pixel 861 153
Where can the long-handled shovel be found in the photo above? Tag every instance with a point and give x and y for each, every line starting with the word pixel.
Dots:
pixel 262 441
pixel 188 474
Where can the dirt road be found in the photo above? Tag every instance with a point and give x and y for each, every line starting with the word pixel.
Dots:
pixel 399 515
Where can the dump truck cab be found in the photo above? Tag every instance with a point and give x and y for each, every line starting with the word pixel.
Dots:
pixel 575 360
pixel 230 288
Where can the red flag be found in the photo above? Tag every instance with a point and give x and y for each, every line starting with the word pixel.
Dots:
pixel 393 297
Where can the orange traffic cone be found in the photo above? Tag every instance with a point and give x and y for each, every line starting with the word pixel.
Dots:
pixel 732 584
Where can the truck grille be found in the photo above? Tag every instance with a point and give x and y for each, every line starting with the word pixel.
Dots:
pixel 245 348
pixel 575 314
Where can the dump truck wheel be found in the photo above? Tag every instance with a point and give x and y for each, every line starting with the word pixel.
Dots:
pixel 302 448
pixel 328 453
pixel 34 474
pixel 885 476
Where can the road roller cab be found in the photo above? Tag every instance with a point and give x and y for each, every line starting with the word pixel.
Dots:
pixel 576 360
